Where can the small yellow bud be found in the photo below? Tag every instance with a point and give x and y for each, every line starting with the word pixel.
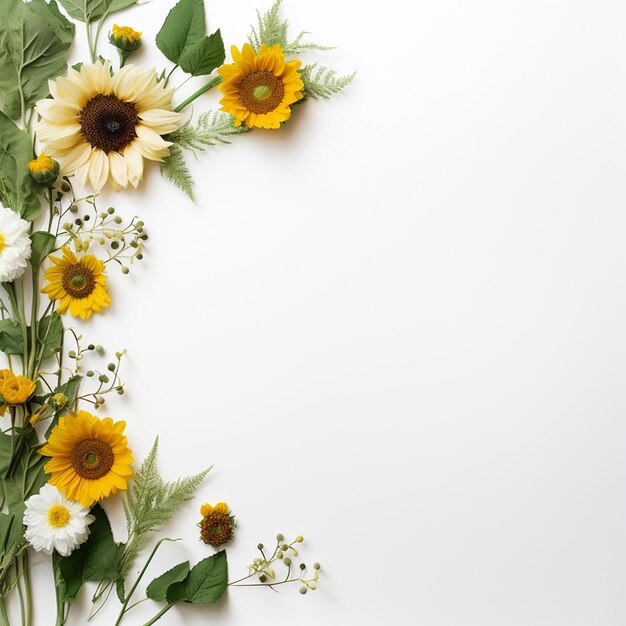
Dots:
pixel 125 39
pixel 60 399
pixel 43 169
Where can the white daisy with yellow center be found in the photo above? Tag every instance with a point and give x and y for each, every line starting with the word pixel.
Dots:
pixel 55 523
pixel 14 245
pixel 101 126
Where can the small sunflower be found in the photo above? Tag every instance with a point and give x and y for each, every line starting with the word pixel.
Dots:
pixel 217 524
pixel 102 126
pixel 14 389
pixel 90 457
pixel 259 89
pixel 78 284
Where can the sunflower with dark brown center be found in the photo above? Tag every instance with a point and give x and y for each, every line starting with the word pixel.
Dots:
pixel 102 125
pixel 78 284
pixel 259 89
pixel 217 525
pixel 90 458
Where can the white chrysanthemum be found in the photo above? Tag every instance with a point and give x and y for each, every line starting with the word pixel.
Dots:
pixel 55 523
pixel 101 126
pixel 14 245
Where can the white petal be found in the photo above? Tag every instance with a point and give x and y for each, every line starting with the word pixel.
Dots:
pixel 71 161
pixel 119 170
pixel 160 120
pixel 134 161
pixel 59 137
pixel 98 169
pixel 152 145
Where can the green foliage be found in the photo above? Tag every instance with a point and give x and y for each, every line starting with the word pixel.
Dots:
pixel 210 129
pixel 11 337
pixel 174 169
pixel 34 50
pixel 70 390
pixel 50 11
pixel 157 589
pixel 271 30
pixel 150 503
pixel 204 583
pixel 97 559
pixel 90 10
pixel 322 82
pixel 18 190
pixel 182 39
pixel 49 335
pixel 42 243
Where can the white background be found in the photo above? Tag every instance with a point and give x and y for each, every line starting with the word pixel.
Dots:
pixel 398 325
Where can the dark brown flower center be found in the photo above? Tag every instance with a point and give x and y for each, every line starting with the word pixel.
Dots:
pixel 92 458
pixel 108 123
pixel 78 281
pixel 216 529
pixel 261 91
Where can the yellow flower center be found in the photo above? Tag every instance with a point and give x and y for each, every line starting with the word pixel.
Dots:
pixel 43 163
pixel 58 516
pixel 261 92
pixel 3 243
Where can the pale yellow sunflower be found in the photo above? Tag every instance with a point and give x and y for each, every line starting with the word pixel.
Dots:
pixel 78 284
pixel 90 459
pixel 101 126
pixel 259 89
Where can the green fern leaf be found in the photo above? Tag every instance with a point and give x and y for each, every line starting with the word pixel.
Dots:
pixel 174 169
pixel 211 129
pixel 322 82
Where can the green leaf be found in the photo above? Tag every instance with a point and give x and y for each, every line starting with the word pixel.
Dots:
pixel 174 169
pixel 70 390
pixel 184 26
pixel 322 82
pixel 203 56
pixel 6 450
pixel 34 50
pixel 205 583
pixel 97 559
pixel 91 10
pixel 18 190
pixel 50 334
pixel 11 337
pixel 157 589
pixel 42 244
pixel 50 11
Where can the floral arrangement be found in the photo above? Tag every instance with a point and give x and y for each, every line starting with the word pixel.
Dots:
pixel 65 134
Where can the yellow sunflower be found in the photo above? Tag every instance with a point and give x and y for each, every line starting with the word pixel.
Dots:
pixel 217 524
pixel 14 389
pixel 101 126
pixel 78 284
pixel 90 458
pixel 259 89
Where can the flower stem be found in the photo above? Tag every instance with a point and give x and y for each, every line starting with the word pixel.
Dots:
pixel 4 618
pixel 214 81
pixel 27 593
pixel 159 615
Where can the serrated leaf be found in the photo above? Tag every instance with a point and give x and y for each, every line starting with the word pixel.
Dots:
pixel 50 334
pixel 34 50
pixel 174 169
pixel 205 583
pixel 203 56
pixel 18 190
pixel 157 589
pixel 184 26
pixel 42 243
pixel 11 337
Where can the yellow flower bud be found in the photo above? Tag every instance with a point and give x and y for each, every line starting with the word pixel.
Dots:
pixel 124 38
pixel 43 169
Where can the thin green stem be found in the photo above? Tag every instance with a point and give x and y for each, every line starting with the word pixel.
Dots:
pixel 159 615
pixel 20 592
pixel 214 81
pixel 27 591
pixel 92 51
pixel 134 587
pixel 3 614
pixel 167 78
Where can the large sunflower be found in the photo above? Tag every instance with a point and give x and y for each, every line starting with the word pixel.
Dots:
pixel 78 284
pixel 259 89
pixel 101 126
pixel 90 457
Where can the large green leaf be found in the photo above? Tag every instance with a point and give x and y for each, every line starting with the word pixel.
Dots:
pixel 203 56
pixel 49 335
pixel 97 559
pixel 42 243
pixel 18 190
pixel 90 10
pixel 50 11
pixel 11 337
pixel 183 26
pixel 158 588
pixel 34 50
pixel 205 583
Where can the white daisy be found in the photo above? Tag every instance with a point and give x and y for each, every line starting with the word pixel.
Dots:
pixel 14 245
pixel 101 126
pixel 55 523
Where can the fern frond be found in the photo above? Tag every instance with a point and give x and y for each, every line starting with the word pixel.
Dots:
pixel 174 169
pixel 322 82
pixel 271 30
pixel 150 503
pixel 210 129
